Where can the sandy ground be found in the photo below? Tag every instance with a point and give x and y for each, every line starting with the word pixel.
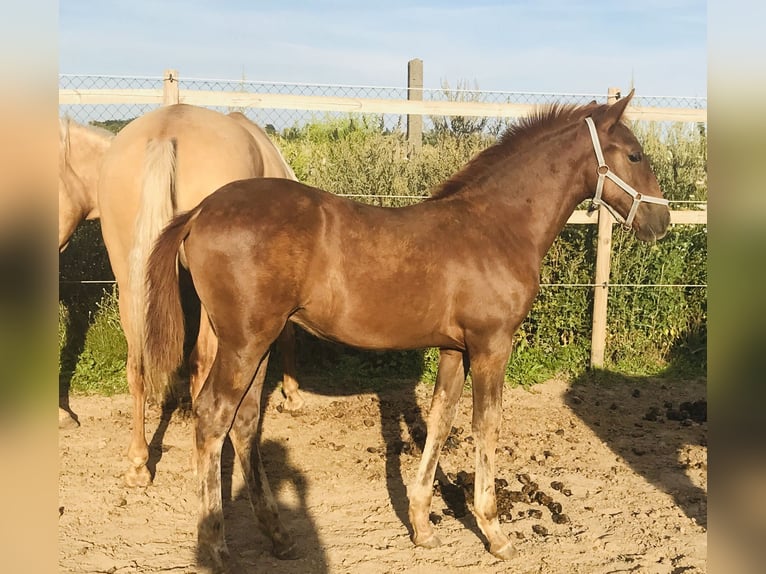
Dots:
pixel 626 464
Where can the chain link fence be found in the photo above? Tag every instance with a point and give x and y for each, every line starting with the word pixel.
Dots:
pixel 89 113
pixel 281 119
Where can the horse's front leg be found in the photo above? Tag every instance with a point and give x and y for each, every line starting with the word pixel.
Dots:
pixel 449 386
pixel 487 377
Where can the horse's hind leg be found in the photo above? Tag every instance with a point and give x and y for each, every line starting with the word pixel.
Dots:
pixel 202 356
pixel 138 450
pixel 245 436
pixel 449 386
pixel 214 410
pixel 286 342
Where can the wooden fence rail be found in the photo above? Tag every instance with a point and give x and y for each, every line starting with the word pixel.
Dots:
pixel 346 104
pixel 414 107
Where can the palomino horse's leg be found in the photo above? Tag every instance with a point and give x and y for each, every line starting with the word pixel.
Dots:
pixel 138 450
pixel 286 341
pixel 449 386
pixel 245 436
pixel 487 379
pixel 214 410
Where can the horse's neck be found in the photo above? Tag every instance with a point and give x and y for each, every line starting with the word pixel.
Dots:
pixel 541 188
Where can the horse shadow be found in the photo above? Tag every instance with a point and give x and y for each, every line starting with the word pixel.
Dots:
pixel 649 422
pixel 339 371
pixel 398 406
pixel 249 547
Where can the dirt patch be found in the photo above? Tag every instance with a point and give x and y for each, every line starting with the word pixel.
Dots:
pixel 591 479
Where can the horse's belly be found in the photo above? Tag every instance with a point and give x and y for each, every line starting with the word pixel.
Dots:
pixel 378 329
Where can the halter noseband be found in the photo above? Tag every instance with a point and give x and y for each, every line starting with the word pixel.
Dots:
pixel 604 172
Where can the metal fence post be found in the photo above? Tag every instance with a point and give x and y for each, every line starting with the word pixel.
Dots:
pixel 603 260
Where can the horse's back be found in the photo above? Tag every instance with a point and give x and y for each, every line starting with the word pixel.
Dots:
pixel 211 150
pixel 274 164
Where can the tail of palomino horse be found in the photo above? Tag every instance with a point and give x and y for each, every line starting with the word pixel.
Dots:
pixel 156 207
pixel 164 319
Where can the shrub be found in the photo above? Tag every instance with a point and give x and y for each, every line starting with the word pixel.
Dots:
pixel 99 366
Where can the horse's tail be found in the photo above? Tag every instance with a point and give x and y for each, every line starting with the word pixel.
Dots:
pixel 156 206
pixel 164 320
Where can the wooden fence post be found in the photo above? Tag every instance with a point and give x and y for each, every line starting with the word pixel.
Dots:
pixel 414 92
pixel 170 94
pixel 603 260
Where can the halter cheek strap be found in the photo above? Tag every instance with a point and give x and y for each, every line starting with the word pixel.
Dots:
pixel 604 172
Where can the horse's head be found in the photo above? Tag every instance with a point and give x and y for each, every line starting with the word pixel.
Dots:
pixel 622 177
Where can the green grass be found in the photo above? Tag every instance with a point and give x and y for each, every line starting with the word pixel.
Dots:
pixel 99 368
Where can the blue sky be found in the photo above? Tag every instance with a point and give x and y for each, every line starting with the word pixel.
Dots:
pixel 566 46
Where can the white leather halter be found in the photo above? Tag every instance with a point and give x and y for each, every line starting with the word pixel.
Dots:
pixel 604 172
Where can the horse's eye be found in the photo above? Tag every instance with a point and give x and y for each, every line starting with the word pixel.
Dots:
pixel 635 157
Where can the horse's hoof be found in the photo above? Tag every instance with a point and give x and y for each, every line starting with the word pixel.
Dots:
pixel 215 560
pixel 504 552
pixel 286 551
pixel 293 404
pixel 67 421
pixel 431 541
pixel 138 477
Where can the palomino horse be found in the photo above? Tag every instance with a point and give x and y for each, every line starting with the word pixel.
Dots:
pixel 81 149
pixel 459 272
pixel 164 161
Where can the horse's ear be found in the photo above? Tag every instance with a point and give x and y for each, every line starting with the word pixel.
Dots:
pixel 614 112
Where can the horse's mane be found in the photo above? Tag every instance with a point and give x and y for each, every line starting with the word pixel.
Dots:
pixel 64 138
pixel 542 121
